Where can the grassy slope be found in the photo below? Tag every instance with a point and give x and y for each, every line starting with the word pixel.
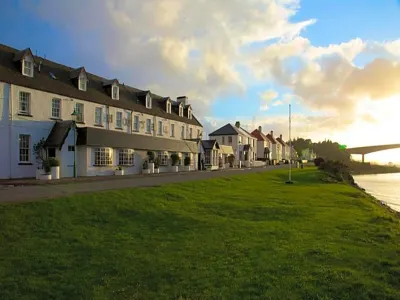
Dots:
pixel 230 238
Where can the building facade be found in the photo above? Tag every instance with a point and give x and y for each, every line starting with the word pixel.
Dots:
pixel 87 121
pixel 276 148
pixel 242 142
pixel 264 145
pixel 285 152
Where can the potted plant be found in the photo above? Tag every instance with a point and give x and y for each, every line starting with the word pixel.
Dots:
pixel 46 171
pixel 55 168
pixel 146 169
pixel 40 154
pixel 174 161
pixel 151 158
pixel 119 171
pixel 186 161
pixel 156 166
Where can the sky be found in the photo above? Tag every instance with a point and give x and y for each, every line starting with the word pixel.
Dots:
pixel 335 61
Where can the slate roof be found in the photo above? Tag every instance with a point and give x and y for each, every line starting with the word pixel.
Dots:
pixel 209 144
pixel 281 141
pixel 271 138
pixel 259 136
pixel 58 134
pixel 97 137
pixel 129 97
pixel 230 129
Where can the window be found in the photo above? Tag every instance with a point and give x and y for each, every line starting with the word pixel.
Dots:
pixel 79 112
pixel 102 156
pixel 136 123
pixel 189 113
pixel 207 157
pixel 56 108
pixel 198 133
pixel 168 107
pixel 98 116
pixel 51 152
pixel 129 120
pixel 115 92
pixel 148 126
pixel 118 121
pixel 180 110
pixel 82 82
pixel 24 148
pixel 240 139
pixel 223 140
pixel 24 103
pixel 190 133
pixel 172 130
pixel 148 101
pixel 163 158
pixel 126 157
pixel 28 67
pixel 229 140
pixel 182 132
pixel 71 148
pixel 159 129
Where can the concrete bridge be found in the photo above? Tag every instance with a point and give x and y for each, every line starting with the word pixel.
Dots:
pixel 370 149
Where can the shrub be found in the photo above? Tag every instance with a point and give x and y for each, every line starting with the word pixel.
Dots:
pixel 174 158
pixel 151 156
pixel 46 166
pixel 54 162
pixel 119 168
pixel 231 160
pixel 318 161
pixel 246 156
pixel 145 165
pixel 187 161
pixel 156 163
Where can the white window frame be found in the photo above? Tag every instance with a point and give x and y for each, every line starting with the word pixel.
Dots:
pixel 24 96
pixel 207 157
pixel 230 140
pixel 169 107
pixel 98 118
pixel 180 110
pixel 79 109
pixel 54 108
pixel 163 158
pixel 126 157
pixel 115 92
pixel 135 123
pixel 190 133
pixel 160 128
pixel 26 148
pixel 223 140
pixel 148 101
pixel 27 65
pixel 182 132
pixel 118 119
pixel 102 156
pixel 82 82
pixel 148 125
pixel 172 130
pixel 189 113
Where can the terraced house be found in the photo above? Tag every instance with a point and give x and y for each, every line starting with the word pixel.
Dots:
pixel 91 124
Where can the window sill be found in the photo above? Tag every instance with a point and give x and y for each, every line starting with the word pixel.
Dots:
pixel 25 164
pixel 127 166
pixel 148 132
pixel 135 130
pixel 55 119
pixel 80 122
pixel 98 125
pixel 102 165
pixel 119 128
pixel 25 115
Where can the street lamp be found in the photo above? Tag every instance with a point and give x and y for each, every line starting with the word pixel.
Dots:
pixel 74 116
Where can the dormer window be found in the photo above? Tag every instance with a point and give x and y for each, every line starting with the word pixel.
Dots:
pixel 169 107
pixel 189 113
pixel 82 84
pixel 27 66
pixel 180 110
pixel 148 101
pixel 115 92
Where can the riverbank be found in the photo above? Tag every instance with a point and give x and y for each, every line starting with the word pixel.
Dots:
pixel 358 168
pixel 239 237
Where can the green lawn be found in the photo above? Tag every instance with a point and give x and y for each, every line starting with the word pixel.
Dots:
pixel 244 237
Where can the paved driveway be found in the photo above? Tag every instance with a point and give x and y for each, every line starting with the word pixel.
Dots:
pixel 37 192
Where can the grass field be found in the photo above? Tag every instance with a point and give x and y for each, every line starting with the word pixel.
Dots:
pixel 244 237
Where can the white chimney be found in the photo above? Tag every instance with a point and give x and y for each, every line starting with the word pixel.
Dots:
pixel 259 129
pixel 272 133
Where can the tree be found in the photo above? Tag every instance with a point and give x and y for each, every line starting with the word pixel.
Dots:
pixel 40 152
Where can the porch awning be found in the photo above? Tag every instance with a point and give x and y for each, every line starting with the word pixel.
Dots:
pixel 226 149
pixel 58 134
pixel 95 137
pixel 266 150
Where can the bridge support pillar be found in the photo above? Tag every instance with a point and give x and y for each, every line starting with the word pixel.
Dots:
pixel 362 157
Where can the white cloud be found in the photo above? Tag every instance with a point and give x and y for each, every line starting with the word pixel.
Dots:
pixel 266 98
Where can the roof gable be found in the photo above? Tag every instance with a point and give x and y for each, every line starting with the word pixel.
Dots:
pixel 21 54
pixel 228 129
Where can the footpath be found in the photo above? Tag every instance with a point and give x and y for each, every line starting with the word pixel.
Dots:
pixel 25 191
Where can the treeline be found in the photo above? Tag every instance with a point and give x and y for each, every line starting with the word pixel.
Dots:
pixel 328 150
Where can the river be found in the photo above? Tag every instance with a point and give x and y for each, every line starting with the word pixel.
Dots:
pixel 384 187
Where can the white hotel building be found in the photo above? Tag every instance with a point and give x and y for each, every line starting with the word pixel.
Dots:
pixel 115 124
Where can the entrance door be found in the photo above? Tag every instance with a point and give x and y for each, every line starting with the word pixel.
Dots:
pixel 67 162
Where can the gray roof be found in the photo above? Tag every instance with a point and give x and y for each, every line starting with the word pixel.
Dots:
pixel 209 144
pixel 228 129
pixel 129 97
pixel 58 134
pixel 96 137
pixel 281 141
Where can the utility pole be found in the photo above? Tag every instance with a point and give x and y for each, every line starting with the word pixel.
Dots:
pixel 290 145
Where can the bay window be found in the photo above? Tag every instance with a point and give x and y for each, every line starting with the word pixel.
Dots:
pixel 102 156
pixel 126 157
